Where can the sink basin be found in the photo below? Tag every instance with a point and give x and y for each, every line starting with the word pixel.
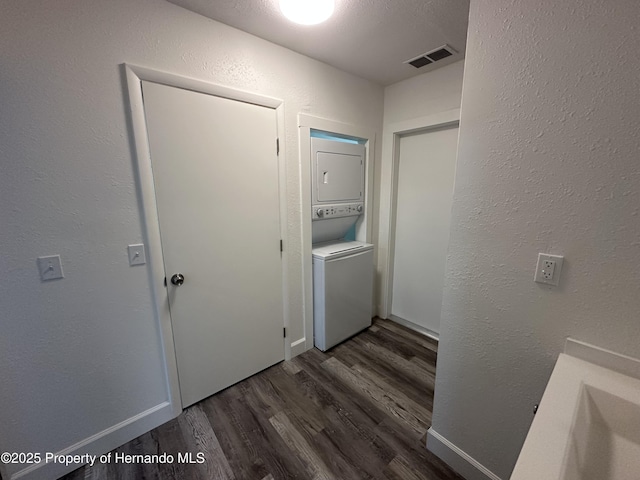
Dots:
pixel 605 438
pixel 587 426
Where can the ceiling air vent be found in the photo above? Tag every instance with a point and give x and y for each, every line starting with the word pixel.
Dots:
pixel 432 56
pixel 420 62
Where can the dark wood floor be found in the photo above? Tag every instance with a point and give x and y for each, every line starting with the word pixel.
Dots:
pixel 359 411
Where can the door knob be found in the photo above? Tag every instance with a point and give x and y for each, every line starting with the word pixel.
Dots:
pixel 177 279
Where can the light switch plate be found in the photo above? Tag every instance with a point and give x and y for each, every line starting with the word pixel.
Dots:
pixel 137 255
pixel 50 267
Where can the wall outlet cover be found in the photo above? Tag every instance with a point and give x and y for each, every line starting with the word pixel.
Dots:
pixel 50 267
pixel 137 255
pixel 548 269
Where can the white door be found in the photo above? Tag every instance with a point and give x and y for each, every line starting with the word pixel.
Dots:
pixel 426 169
pixel 215 171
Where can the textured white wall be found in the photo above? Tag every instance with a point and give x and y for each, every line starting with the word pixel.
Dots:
pixel 81 354
pixel 426 94
pixel 548 162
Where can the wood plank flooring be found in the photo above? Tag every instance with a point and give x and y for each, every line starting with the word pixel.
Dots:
pixel 359 411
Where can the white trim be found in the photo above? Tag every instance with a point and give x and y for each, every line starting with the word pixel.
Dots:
pixel 188 83
pixel 604 358
pixel 304 140
pixel 333 126
pixel 363 227
pixel 282 170
pixel 388 186
pixel 298 347
pixel 457 459
pixel 151 227
pixel 415 327
pixel 102 442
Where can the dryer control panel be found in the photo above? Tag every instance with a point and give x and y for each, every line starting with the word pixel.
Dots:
pixel 320 212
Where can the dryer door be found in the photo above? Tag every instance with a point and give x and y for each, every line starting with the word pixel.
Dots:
pixel 337 171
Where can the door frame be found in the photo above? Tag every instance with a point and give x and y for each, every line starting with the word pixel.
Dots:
pixel 364 228
pixel 147 200
pixel 389 193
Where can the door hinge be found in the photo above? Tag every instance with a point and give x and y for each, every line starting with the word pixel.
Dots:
pixel 165 281
pixel 281 246
pixel 284 332
pixel 277 146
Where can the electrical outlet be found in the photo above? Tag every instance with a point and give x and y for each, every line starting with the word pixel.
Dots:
pixel 548 266
pixel 548 269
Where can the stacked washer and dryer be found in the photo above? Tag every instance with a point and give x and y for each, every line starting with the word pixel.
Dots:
pixel 342 269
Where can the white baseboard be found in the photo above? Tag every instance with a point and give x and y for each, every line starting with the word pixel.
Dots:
pixel 457 459
pixel 415 327
pixel 298 347
pixel 101 442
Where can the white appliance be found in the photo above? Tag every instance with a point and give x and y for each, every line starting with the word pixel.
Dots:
pixel 342 270
pixel 337 187
pixel 342 291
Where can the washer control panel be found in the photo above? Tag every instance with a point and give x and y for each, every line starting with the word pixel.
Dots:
pixel 320 212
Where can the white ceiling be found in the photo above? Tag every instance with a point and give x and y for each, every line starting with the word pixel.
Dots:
pixel 369 38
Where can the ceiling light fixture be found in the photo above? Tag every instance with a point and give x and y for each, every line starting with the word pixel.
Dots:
pixel 307 12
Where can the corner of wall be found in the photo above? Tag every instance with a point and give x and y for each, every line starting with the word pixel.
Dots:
pixel 457 459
